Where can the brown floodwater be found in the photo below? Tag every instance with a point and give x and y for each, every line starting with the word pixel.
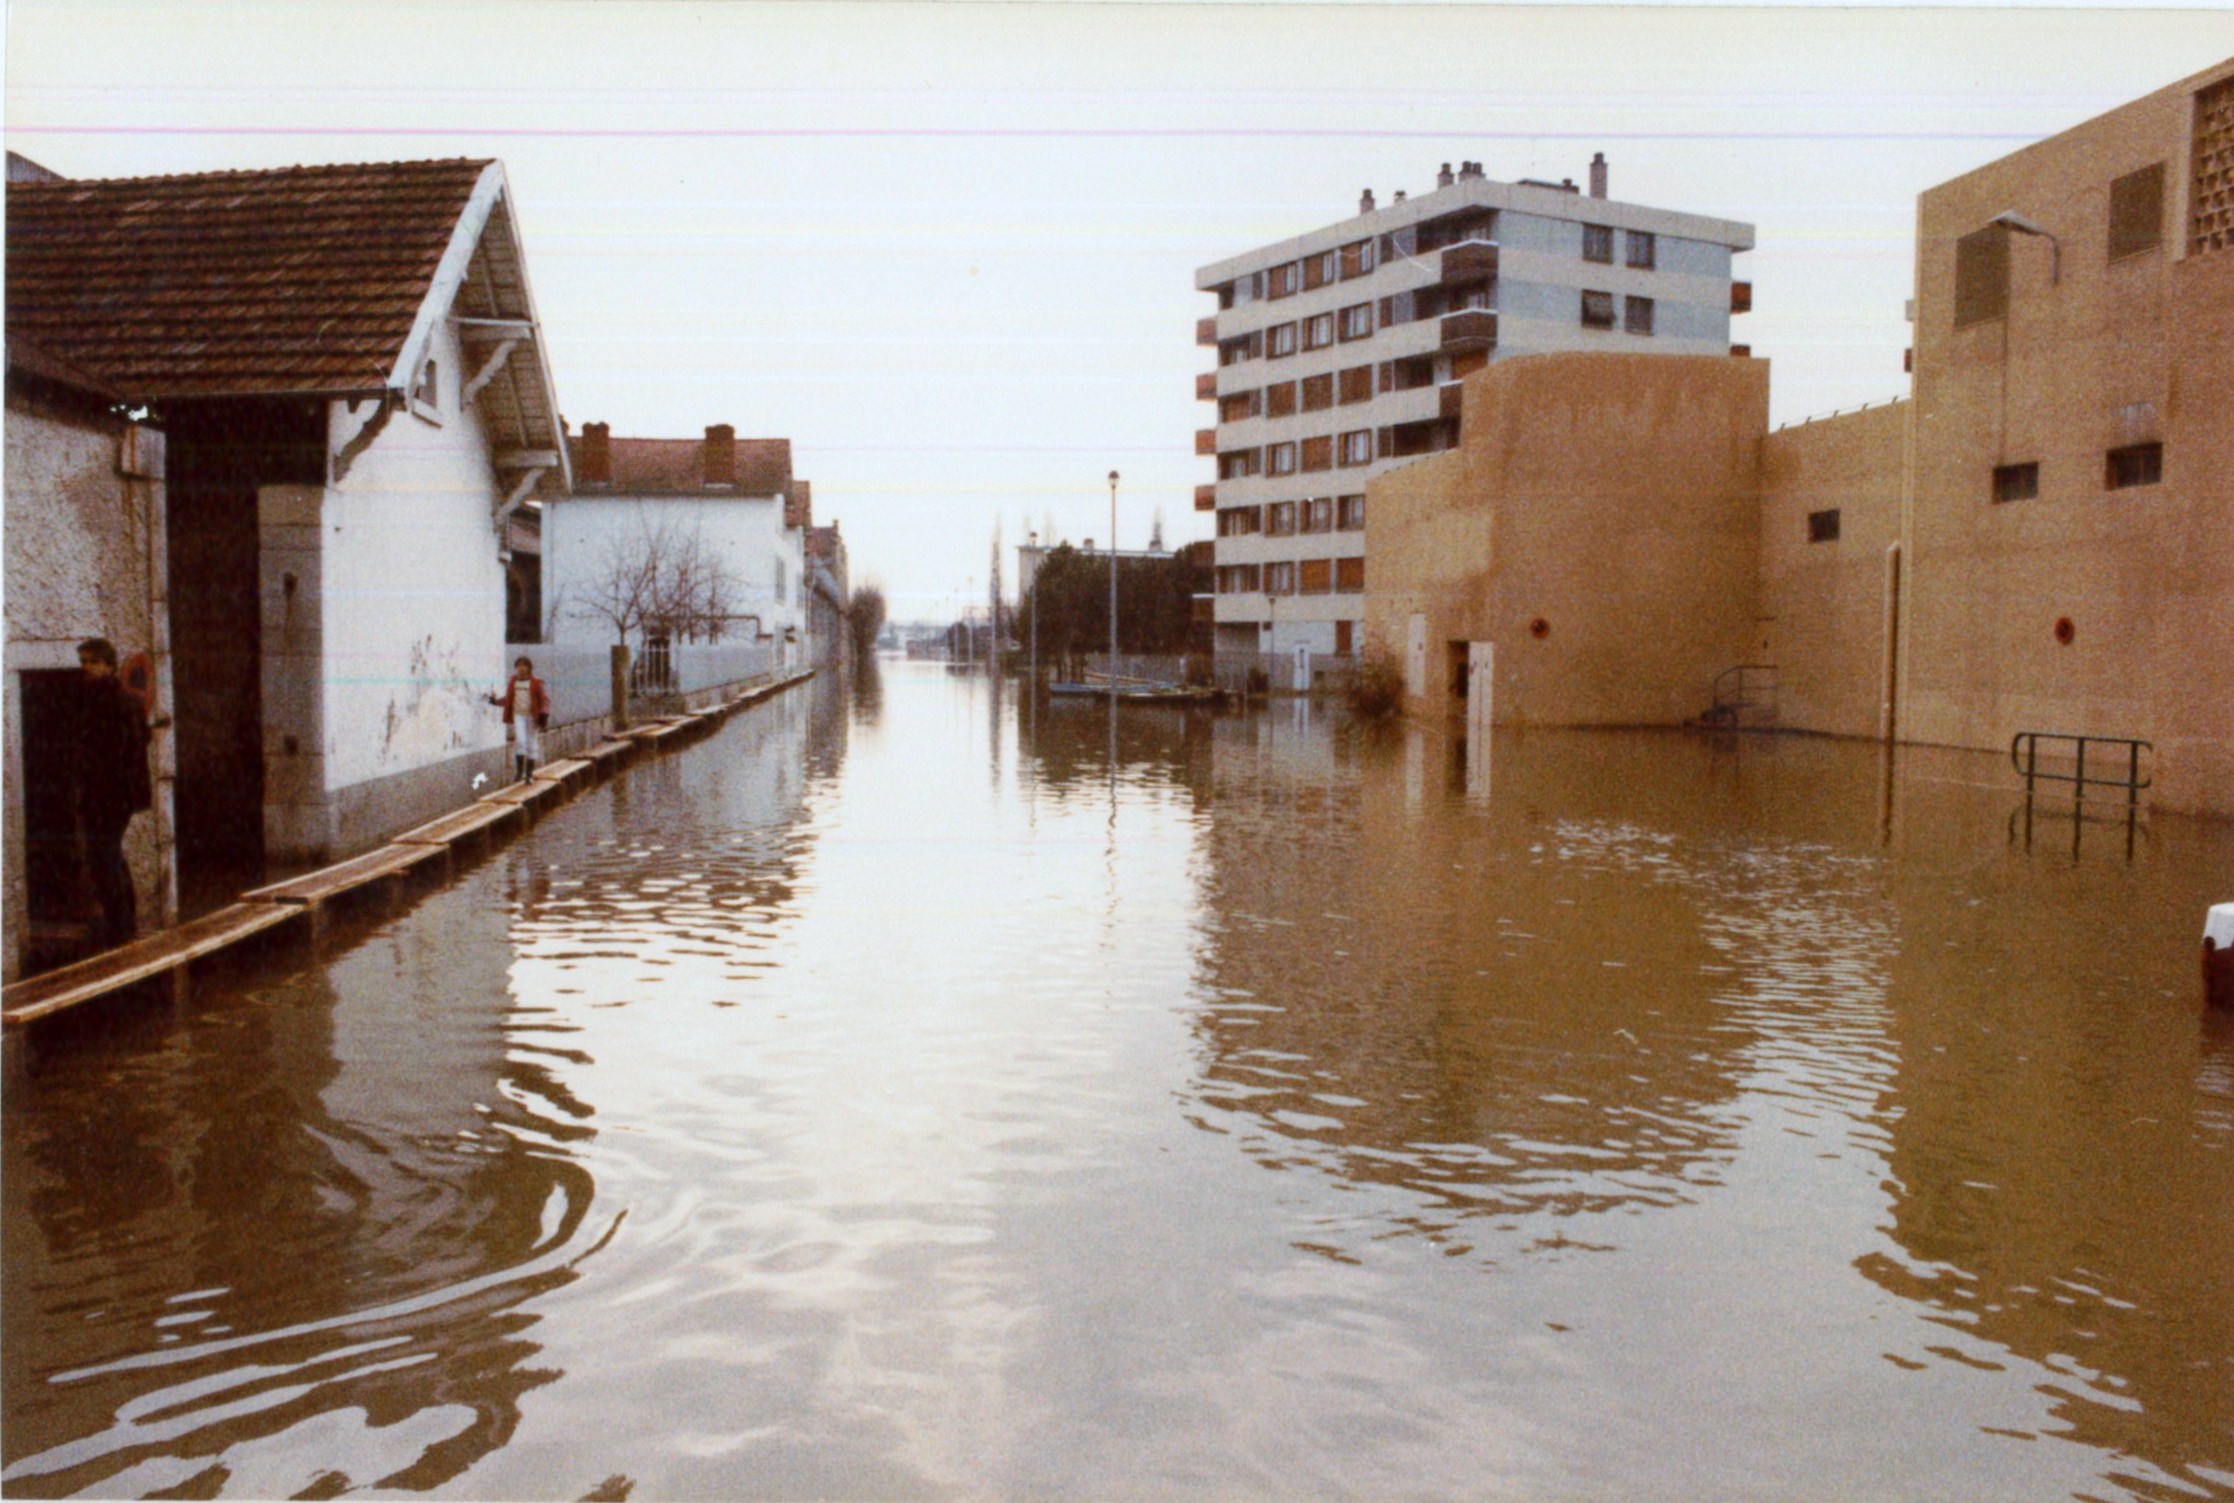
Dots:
pixel 889 1096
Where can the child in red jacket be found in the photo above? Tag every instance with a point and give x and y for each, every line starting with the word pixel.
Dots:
pixel 527 711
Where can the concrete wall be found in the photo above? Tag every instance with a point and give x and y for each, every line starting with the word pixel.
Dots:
pixel 1611 496
pixel 85 557
pixel 583 533
pixel 2105 354
pixel 1823 605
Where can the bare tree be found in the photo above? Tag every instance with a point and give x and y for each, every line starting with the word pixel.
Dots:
pixel 658 579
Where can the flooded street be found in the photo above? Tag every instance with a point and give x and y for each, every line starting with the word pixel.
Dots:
pixel 887 1096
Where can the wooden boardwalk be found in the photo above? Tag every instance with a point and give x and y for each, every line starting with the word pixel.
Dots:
pixel 150 956
pixel 173 950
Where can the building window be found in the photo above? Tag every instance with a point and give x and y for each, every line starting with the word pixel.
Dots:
pixel 1279 579
pixel 1225 297
pixel 1357 449
pixel 1240 521
pixel 2016 482
pixel 1357 321
pixel 1318 514
pixel 1242 347
pixel 1636 315
pixel 1318 331
pixel 1279 459
pixel 1236 463
pixel 1597 243
pixel 1981 276
pixel 1597 310
pixel 1822 526
pixel 2210 198
pixel 1349 511
pixel 1320 269
pixel 2135 464
pixel 1237 579
pixel 1279 519
pixel 1281 280
pixel 1279 340
pixel 1398 308
pixel 1408 374
pixel 1318 453
pixel 1643 248
pixel 1356 384
pixel 1236 406
pixel 2137 211
pixel 1279 401
pixel 1318 392
pixel 1349 574
pixel 1317 576
pixel 1357 259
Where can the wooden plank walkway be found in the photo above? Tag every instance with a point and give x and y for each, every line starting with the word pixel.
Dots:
pixel 473 819
pixel 314 888
pixel 171 950
pixel 152 956
pixel 522 795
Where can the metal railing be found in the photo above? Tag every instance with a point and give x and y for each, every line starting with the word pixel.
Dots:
pixel 2024 756
pixel 1746 687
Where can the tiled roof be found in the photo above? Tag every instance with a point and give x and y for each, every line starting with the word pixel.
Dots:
pixel 672 467
pixel 299 279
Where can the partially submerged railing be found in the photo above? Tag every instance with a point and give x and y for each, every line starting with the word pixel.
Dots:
pixel 1748 686
pixel 2117 764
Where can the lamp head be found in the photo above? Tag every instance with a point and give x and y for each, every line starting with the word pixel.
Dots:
pixel 1112 477
pixel 2010 219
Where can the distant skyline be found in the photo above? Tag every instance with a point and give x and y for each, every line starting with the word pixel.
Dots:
pixel 949 250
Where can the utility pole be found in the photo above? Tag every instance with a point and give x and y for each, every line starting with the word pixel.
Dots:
pixel 1113 593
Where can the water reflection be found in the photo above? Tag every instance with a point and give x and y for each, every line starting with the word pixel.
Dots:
pixel 913 1090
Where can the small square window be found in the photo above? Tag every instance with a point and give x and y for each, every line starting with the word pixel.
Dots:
pixel 1636 315
pixel 1350 510
pixel 2136 464
pixel 1318 392
pixel 1597 243
pixel 1643 248
pixel 1822 526
pixel 2016 482
pixel 1597 310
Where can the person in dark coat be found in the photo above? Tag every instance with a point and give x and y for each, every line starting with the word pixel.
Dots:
pixel 112 785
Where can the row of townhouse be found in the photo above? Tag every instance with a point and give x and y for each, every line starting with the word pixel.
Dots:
pixel 290 440
pixel 1607 532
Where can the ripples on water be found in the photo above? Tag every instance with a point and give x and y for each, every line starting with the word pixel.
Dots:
pixel 897 1095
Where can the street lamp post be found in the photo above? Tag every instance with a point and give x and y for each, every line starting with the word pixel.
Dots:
pixel 1112 592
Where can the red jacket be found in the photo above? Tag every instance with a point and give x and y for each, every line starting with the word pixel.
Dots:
pixel 538 696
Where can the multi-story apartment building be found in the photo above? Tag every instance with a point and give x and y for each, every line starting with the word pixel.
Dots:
pixel 1340 352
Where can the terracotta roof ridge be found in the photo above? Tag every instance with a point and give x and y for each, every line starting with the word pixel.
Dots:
pixel 479 164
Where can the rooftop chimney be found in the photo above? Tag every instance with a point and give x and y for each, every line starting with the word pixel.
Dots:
pixel 1443 179
pixel 596 454
pixel 1365 202
pixel 1598 175
pixel 717 461
pixel 1399 196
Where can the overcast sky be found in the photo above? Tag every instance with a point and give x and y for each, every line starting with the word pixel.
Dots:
pixel 949 250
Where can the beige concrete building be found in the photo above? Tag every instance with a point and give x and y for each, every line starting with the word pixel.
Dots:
pixel 2041 539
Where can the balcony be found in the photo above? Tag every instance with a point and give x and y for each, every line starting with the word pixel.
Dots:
pixel 1206 331
pixel 1206 440
pixel 1469 261
pixel 1741 297
pixel 1206 386
pixel 1475 329
pixel 1206 498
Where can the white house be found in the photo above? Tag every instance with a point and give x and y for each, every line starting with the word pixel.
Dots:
pixel 725 509
pixel 351 383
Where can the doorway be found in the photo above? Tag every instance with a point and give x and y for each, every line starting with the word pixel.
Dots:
pixel 58 903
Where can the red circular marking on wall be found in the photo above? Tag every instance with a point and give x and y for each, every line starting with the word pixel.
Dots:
pixel 1539 627
pixel 2065 631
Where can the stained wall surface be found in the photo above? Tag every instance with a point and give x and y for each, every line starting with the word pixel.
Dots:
pixel 2089 354
pixel 1610 498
